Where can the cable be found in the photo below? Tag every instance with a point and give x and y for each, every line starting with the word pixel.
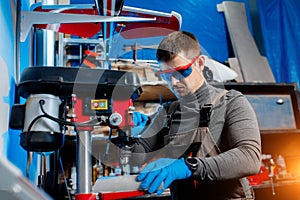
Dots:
pixel 65 179
pixel 28 135
pixel 86 123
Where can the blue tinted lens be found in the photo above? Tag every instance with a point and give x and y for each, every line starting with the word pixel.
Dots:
pixel 176 74
pixel 186 73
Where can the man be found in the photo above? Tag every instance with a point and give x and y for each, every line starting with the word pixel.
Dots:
pixel 208 141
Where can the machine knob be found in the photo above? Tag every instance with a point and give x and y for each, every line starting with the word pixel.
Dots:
pixel 115 119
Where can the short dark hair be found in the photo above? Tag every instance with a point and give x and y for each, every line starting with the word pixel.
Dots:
pixel 178 42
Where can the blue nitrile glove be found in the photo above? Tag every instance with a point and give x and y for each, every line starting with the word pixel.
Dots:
pixel 163 170
pixel 140 120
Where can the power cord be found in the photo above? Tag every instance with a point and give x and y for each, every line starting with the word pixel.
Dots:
pixel 65 179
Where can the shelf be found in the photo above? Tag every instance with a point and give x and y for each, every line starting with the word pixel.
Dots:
pixel 282 191
pixel 76 41
pixel 268 184
pixel 281 131
pixel 156 93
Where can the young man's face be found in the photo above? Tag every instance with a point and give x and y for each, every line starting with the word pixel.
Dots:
pixel 183 76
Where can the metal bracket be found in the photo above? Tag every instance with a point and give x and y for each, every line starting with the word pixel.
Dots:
pixel 29 18
pixel 254 67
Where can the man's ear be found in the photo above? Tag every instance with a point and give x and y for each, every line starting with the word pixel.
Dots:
pixel 201 62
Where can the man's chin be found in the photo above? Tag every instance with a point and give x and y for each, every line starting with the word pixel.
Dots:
pixel 179 93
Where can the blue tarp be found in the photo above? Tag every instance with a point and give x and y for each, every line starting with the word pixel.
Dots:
pixel 280 22
pixel 12 149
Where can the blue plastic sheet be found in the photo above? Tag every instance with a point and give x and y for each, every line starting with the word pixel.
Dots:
pixel 280 22
pixel 12 149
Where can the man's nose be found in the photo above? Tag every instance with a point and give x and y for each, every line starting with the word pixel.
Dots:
pixel 174 80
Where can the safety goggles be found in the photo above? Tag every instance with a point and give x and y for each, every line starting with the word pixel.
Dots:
pixel 179 72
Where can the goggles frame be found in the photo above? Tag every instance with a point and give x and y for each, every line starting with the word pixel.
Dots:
pixel 179 72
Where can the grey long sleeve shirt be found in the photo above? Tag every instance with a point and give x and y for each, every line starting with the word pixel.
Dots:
pixel 234 127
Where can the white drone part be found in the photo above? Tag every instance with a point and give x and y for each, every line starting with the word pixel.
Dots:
pixel 220 71
pixel 115 119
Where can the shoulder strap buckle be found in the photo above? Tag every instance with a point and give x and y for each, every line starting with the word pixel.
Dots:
pixel 205 112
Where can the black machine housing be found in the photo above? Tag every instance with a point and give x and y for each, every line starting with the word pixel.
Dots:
pixel 63 82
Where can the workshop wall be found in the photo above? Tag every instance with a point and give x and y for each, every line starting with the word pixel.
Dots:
pixel 7 52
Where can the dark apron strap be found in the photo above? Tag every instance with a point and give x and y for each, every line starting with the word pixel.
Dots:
pixel 170 112
pixel 205 111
